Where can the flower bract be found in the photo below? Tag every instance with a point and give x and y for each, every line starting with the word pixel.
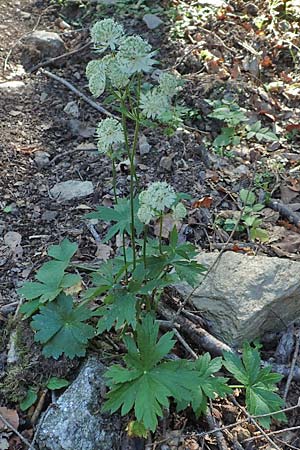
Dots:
pixel 168 84
pixel 109 132
pixel 179 212
pixel 153 104
pixel 107 34
pixel 138 54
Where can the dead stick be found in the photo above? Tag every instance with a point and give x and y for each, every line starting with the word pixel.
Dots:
pixel 263 433
pixel 39 407
pixel 273 433
pixel 198 335
pixel 285 212
pixel 58 58
pixel 291 374
pixel 78 93
pixel 213 426
pixel 11 427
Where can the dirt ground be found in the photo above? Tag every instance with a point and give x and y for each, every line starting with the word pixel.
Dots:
pixel 240 61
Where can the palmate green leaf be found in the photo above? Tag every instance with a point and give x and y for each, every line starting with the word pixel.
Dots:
pixel 260 384
pixel 260 400
pixel 51 277
pixel 121 214
pixel 121 310
pixel 147 383
pixel 60 327
pixel 64 251
pixel 208 386
pixel 189 271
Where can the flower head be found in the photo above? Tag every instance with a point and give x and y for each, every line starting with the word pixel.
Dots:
pixel 117 72
pixel 145 214
pixel 109 132
pixel 138 54
pixel 158 196
pixel 153 104
pixel 168 84
pixel 95 72
pixel 179 212
pixel 107 34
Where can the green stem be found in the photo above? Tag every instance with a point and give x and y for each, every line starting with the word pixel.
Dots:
pixel 124 256
pixel 145 245
pixel 114 173
pixel 161 219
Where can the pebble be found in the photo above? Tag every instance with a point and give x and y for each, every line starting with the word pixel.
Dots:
pixel 71 189
pixel 144 146
pixel 72 109
pixel 152 21
pixel 41 159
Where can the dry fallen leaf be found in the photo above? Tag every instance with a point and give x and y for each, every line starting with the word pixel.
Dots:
pixel 204 202
pixel 103 251
pixel 11 416
pixel 168 225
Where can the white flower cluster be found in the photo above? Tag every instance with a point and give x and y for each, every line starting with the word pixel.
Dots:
pixel 128 55
pixel 109 132
pixel 154 200
pixel 157 101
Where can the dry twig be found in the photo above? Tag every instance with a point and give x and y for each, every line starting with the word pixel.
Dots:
pixel 80 94
pixel 58 58
pixel 12 428
pixel 293 365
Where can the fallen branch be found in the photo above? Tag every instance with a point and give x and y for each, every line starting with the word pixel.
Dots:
pixel 58 58
pixel 285 212
pixel 293 365
pixel 217 431
pixel 196 334
pixel 252 420
pixel 80 94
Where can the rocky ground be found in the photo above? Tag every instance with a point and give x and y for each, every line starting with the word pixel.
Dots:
pixel 247 52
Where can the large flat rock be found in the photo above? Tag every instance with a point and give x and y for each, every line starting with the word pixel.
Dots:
pixel 245 296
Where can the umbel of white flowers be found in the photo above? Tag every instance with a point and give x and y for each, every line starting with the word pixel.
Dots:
pixel 126 56
pixel 156 199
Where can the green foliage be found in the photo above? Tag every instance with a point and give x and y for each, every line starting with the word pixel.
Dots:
pixel 59 326
pixel 29 400
pixel 260 384
pixel 57 383
pixel 120 214
pixel 147 382
pixel 250 219
pixel 52 278
pixel 238 125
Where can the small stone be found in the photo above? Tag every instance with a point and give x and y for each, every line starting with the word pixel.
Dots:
pixel 71 189
pixel 144 146
pixel 252 9
pixel 166 163
pixel 72 109
pixel 25 15
pixel 12 87
pixel 78 128
pixel 49 216
pixel 49 44
pixel 41 159
pixel 43 97
pixel 152 21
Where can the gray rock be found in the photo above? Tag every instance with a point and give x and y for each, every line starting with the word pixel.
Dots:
pixel 41 159
pixel 71 189
pixel 47 43
pixel 76 423
pixel 12 87
pixel 166 162
pixel 152 21
pixel 72 109
pixel 144 146
pixel 245 296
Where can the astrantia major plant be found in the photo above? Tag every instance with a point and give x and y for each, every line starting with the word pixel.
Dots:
pixel 129 286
